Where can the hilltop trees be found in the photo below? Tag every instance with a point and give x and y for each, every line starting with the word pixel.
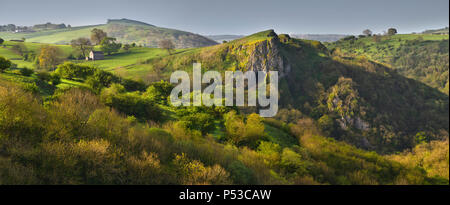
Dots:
pixel 50 57
pixel 97 35
pixel 167 45
pixel 4 64
pixel 81 44
pixel 392 31
pixel 367 32
pixel 109 45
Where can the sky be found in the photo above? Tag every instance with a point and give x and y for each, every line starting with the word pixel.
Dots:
pixel 243 17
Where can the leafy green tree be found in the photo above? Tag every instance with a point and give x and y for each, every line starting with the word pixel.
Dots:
pixel 52 78
pixel 126 47
pixel 1 41
pixel 50 57
pixel 254 129
pixel 326 124
pixel 159 91
pixel 202 122
pixel 422 138
pixel 71 70
pixel 26 71
pixel 132 104
pixel 101 79
pixel 97 35
pixel 109 45
pixel 392 31
pixel 4 64
pixel 234 126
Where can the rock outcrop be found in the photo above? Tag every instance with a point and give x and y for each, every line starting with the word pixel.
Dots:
pixel 266 57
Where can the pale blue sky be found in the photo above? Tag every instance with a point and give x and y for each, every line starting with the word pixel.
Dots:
pixel 238 16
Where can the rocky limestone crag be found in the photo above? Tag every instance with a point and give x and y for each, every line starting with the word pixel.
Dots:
pixel 266 56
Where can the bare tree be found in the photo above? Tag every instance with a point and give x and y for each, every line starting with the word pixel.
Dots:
pixel 167 45
pixel 82 44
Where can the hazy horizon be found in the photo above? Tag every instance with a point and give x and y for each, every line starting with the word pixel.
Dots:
pixel 232 17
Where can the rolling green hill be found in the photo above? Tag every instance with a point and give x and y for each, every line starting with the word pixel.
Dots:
pixel 125 30
pixel 423 57
pixel 342 120
pixel 437 31
pixel 369 104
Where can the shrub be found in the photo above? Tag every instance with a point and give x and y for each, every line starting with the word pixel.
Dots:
pixel 132 104
pixel 202 122
pixel 69 114
pixel 71 70
pixel 194 172
pixel 26 71
pixel 52 78
pixel 240 174
pixel 102 79
pixel 4 64
pixel 21 116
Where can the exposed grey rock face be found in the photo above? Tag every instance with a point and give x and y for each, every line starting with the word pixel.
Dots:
pixel 266 57
pixel 355 122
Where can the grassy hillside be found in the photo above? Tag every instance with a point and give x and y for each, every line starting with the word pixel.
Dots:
pixel 73 138
pixel 437 31
pixel 126 31
pixel 100 128
pixel 423 57
pixel 381 109
pixel 124 63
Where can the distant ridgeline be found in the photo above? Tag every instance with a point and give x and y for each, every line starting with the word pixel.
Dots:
pixel 49 26
pixel 320 37
pixel 127 21
pixel 126 31
pixel 442 31
pixel 46 26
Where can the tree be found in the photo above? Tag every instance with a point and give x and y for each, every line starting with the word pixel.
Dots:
pixel 82 44
pixel 126 47
pixel 167 45
pixel 254 129
pixel 1 41
pixel 20 48
pixel 71 70
pixel 234 127
pixel 101 79
pixel 50 57
pixel 109 45
pixel 367 32
pixel 97 35
pixel 392 31
pixel 4 64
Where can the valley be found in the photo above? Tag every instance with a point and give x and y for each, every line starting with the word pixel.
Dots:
pixel 348 112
